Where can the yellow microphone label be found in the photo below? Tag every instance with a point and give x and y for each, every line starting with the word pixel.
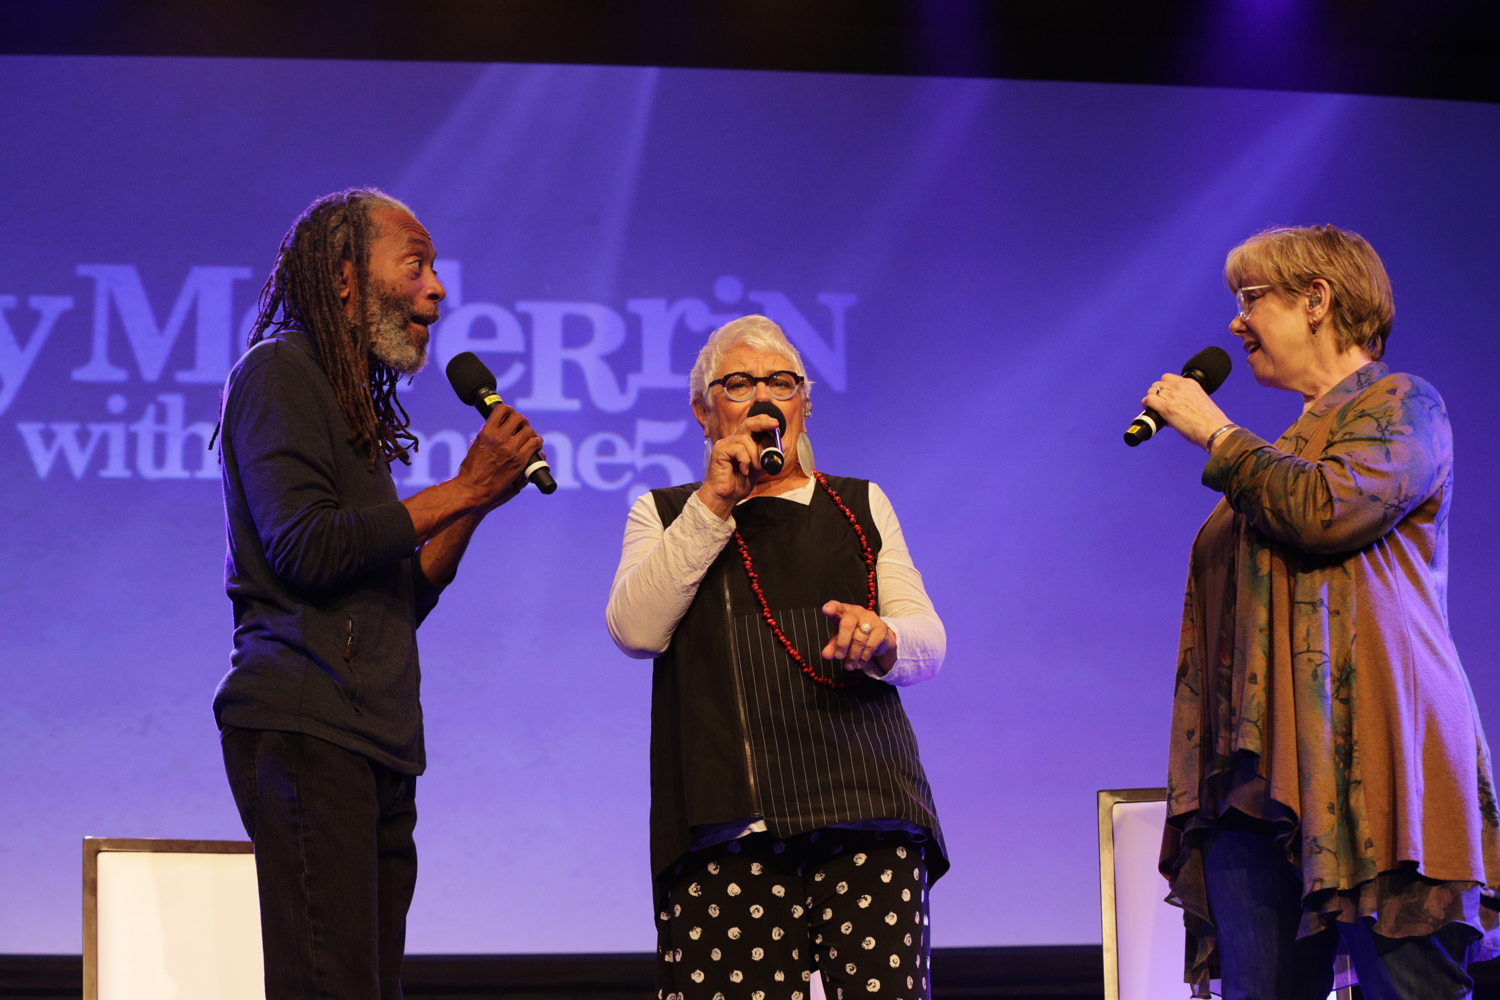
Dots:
pixel 493 400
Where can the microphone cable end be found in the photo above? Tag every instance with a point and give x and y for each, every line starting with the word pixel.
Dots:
pixel 540 475
pixel 1142 428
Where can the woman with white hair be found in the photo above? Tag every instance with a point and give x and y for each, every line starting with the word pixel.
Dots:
pixel 792 825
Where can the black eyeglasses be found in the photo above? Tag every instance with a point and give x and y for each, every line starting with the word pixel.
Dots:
pixel 740 386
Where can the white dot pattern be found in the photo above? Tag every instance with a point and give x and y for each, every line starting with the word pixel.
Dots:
pixel 731 929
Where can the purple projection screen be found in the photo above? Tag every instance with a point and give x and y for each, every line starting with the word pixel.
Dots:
pixel 983 277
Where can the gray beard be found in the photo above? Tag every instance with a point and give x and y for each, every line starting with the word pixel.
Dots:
pixel 389 341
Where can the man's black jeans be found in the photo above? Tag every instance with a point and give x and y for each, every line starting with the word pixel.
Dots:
pixel 335 861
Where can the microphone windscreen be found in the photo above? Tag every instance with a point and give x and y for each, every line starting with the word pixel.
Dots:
pixel 467 374
pixel 1214 363
pixel 770 408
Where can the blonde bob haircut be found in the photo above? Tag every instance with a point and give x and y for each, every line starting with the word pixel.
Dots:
pixel 749 331
pixel 1291 258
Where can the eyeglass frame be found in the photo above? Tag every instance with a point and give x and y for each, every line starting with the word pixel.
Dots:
pixel 1239 299
pixel 758 380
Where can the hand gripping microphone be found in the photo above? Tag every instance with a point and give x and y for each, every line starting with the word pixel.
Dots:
pixel 475 385
pixel 771 457
pixel 1209 368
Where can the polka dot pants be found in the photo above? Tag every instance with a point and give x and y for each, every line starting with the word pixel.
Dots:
pixel 753 918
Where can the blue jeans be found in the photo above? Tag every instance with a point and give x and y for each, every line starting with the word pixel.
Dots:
pixel 1256 898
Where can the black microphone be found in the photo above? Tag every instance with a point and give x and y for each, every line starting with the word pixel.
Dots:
pixel 1209 368
pixel 475 385
pixel 771 457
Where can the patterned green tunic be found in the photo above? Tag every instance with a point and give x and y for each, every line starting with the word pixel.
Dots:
pixel 1318 688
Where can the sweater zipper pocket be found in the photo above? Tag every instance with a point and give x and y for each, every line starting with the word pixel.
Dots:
pixel 353 692
pixel 739 697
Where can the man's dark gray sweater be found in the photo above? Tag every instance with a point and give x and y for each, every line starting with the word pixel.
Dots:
pixel 321 569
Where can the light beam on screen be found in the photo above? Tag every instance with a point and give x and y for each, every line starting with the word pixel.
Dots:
pixel 942 115
pixel 479 134
pixel 508 141
pixel 1256 189
pixel 602 275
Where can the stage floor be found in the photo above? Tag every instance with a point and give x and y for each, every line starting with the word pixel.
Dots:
pixel 1058 972
pixel 1055 972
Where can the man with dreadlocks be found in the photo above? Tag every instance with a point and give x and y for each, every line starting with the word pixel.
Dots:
pixel 330 575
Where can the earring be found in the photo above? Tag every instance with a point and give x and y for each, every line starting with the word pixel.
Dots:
pixel 805 453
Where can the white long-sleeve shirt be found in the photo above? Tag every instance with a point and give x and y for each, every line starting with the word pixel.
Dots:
pixel 660 571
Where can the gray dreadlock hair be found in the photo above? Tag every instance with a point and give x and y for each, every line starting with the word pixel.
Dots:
pixel 302 294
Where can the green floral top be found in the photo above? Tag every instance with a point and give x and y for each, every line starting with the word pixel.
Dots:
pixel 1318 689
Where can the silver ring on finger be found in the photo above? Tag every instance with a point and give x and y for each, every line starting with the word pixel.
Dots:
pixel 1158 390
pixel 866 628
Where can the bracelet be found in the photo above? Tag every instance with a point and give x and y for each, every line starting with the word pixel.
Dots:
pixel 1208 446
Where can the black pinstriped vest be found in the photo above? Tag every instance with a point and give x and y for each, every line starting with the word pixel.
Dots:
pixel 737 730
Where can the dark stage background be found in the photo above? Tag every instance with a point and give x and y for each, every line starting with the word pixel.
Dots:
pixel 983 275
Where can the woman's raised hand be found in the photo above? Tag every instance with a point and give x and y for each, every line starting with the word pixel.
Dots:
pixel 734 466
pixel 1183 404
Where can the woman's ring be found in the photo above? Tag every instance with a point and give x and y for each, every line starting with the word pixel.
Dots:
pixel 1158 390
pixel 865 628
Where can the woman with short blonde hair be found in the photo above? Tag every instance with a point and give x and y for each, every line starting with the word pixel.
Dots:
pixel 1330 784
pixel 1291 259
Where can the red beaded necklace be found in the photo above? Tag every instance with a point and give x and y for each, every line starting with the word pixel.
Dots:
pixel 765 609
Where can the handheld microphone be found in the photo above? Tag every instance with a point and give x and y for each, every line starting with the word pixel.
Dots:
pixel 475 385
pixel 772 458
pixel 1209 368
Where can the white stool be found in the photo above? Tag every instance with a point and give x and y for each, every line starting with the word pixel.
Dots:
pixel 1143 934
pixel 170 920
